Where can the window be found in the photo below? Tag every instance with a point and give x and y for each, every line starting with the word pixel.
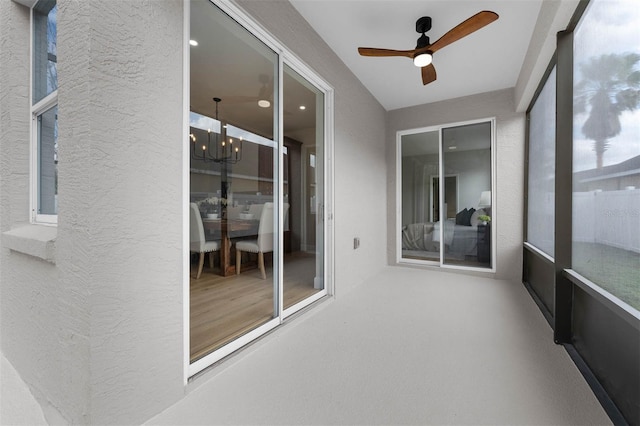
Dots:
pixel 44 113
pixel 606 148
pixel 542 169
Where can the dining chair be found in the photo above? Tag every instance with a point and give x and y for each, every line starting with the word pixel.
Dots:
pixel 264 243
pixel 198 242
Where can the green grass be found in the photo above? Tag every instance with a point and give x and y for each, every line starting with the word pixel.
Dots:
pixel 615 270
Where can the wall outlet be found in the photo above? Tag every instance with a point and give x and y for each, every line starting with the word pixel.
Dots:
pixel 356 243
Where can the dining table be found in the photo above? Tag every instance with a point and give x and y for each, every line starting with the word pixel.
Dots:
pixel 224 230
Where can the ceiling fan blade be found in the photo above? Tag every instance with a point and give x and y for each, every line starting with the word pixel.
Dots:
pixel 239 99
pixel 371 51
pixel 428 74
pixel 465 28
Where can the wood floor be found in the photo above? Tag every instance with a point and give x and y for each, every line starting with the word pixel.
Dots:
pixel 225 308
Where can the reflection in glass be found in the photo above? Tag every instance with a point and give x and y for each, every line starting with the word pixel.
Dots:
pixel 233 191
pixel 606 148
pixel 45 35
pixel 303 188
pixel 48 162
pixel 420 196
pixel 466 152
pixel 542 168
pixel 446 212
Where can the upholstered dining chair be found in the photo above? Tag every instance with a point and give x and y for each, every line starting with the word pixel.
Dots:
pixel 197 239
pixel 264 243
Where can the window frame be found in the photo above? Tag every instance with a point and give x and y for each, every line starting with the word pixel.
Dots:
pixel 36 110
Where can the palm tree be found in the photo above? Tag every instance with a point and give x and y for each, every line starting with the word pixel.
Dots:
pixel 610 85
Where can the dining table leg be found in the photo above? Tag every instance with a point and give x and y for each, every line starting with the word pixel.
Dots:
pixel 226 266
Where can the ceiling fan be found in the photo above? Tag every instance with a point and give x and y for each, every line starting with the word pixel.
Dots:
pixel 265 94
pixel 422 55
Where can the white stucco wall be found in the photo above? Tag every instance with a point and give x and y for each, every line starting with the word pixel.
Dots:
pixel 44 323
pixel 135 213
pixel 98 334
pixel 510 137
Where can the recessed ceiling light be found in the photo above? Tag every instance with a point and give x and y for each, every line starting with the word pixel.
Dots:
pixel 453 147
pixel 193 42
pixel 302 107
pixel 263 103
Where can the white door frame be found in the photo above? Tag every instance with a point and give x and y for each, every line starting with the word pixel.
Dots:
pixel 440 128
pixel 284 57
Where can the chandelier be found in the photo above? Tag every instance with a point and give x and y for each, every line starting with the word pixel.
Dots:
pixel 217 147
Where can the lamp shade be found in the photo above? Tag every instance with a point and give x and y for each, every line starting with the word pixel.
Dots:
pixel 485 199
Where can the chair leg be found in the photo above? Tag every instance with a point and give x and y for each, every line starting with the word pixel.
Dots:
pixel 211 259
pixel 200 265
pixel 238 261
pixel 261 264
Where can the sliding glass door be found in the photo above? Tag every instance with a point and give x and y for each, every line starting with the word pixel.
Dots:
pixel 257 131
pixel 420 154
pixel 446 195
pixel 233 153
pixel 466 155
pixel 303 188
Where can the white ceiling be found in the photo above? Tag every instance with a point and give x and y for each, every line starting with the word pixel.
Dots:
pixel 489 59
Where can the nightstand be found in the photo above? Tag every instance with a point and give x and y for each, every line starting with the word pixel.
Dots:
pixel 484 243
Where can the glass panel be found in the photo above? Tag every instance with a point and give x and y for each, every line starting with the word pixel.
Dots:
pixel 606 148
pixel 48 162
pixel 420 196
pixel 466 152
pixel 233 180
pixel 542 168
pixel 303 188
pixel 45 35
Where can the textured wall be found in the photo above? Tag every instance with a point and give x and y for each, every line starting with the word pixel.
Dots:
pixel 360 164
pixel 44 322
pixel 135 213
pixel 98 335
pixel 14 114
pixel 510 129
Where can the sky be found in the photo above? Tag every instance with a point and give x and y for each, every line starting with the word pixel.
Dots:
pixel 609 26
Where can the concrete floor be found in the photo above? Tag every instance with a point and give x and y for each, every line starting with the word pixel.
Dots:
pixel 406 347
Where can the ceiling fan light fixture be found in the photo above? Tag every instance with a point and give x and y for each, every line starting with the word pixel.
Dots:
pixel 263 103
pixel 422 60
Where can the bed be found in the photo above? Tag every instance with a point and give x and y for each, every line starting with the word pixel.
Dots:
pixel 460 236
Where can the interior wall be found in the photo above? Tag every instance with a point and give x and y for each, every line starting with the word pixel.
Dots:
pixel 510 131
pixel 359 140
